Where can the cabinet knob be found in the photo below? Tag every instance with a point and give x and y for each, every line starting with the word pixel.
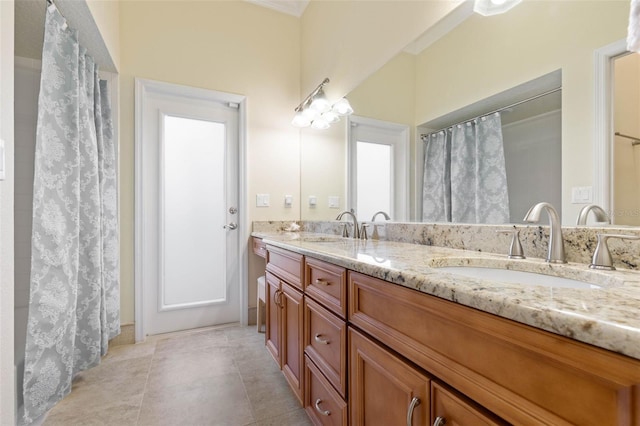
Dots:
pixel 439 421
pixel 318 339
pixel 412 406
pixel 320 410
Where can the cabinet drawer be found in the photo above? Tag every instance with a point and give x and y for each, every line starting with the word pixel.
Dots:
pixel 327 284
pixel 259 247
pixel 325 342
pixel 286 265
pixel 455 409
pixel 323 404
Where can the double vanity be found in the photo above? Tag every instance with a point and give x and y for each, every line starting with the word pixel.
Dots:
pixel 390 333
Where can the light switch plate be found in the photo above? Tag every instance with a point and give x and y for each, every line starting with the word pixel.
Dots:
pixel 313 200
pixel 288 200
pixel 334 202
pixel 262 200
pixel 581 194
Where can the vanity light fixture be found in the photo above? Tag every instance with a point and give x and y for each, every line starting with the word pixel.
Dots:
pixel 493 7
pixel 316 110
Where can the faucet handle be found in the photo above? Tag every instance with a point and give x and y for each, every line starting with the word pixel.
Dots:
pixel 345 230
pixel 363 231
pixel 515 249
pixel 602 256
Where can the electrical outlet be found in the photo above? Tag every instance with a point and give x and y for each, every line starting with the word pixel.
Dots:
pixel 313 200
pixel 288 200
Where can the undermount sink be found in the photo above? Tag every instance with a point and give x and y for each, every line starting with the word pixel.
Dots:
pixel 322 238
pixel 516 277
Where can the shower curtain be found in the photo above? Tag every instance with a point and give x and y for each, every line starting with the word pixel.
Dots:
pixel 74 294
pixel 477 175
pixel 436 194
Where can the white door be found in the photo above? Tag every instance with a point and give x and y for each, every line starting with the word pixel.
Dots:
pixel 378 168
pixel 188 187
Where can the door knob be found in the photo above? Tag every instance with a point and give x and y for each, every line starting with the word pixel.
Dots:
pixel 231 226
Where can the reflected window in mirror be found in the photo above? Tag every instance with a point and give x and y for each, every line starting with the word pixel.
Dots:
pixel 378 168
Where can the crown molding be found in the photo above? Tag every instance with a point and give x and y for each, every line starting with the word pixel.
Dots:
pixel 290 7
pixel 441 28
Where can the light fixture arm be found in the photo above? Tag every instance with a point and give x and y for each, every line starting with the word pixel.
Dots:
pixel 312 94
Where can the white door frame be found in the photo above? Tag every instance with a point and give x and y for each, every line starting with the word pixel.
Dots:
pixel 143 86
pixel 401 177
pixel 603 123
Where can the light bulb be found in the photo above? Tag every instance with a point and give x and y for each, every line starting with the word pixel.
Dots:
pixel 342 107
pixel 320 102
pixel 330 117
pixel 299 120
pixel 319 124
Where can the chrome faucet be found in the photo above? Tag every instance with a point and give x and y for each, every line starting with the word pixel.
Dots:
pixel 356 231
pixel 386 216
pixel 601 215
pixel 556 243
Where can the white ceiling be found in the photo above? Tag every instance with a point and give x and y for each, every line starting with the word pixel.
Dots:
pixel 29 29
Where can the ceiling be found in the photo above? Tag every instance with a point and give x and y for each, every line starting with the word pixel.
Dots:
pixel 29 29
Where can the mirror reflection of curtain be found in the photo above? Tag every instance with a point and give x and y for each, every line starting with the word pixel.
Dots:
pixel 477 179
pixel 436 194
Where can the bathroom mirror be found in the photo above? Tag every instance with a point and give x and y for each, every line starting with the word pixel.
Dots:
pixel 476 60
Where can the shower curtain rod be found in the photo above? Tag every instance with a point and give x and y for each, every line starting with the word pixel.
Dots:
pixel 635 142
pixel 424 135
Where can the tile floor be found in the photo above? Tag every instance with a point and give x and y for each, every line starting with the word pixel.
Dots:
pixel 215 376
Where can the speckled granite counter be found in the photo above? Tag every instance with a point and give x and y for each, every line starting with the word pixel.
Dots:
pixel 607 315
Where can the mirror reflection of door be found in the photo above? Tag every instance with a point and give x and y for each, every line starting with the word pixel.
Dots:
pixel 378 168
pixel 626 146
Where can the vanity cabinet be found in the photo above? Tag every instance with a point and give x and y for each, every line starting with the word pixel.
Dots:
pixel 359 350
pixel 285 315
pixel 524 375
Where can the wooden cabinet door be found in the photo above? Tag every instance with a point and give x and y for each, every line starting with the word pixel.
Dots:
pixel 273 330
pixel 384 389
pixel 292 307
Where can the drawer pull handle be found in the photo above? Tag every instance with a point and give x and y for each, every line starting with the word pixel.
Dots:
pixel 439 421
pixel 321 281
pixel 320 410
pixel 414 403
pixel 319 340
pixel 279 298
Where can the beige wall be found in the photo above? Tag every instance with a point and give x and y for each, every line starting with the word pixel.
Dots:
pixel 348 40
pixel 485 56
pixel 322 170
pixel 626 201
pixel 229 46
pixel 106 14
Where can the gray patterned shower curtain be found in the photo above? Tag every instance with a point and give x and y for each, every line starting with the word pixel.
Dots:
pixel 74 289
pixel 468 162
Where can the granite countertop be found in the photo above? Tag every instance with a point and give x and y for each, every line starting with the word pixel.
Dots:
pixel 606 315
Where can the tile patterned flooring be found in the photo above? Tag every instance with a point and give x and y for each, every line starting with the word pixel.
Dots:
pixel 215 376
